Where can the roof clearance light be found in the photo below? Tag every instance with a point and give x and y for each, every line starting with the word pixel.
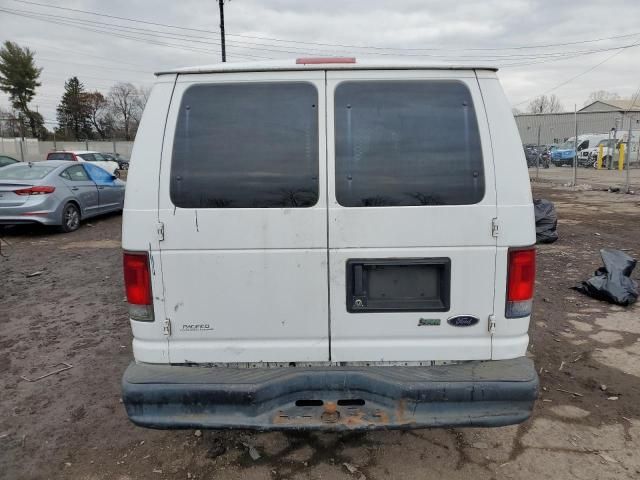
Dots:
pixel 324 60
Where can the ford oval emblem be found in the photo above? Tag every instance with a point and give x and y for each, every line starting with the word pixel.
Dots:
pixel 463 321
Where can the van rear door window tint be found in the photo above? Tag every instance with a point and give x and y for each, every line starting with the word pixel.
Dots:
pixel 401 143
pixel 249 145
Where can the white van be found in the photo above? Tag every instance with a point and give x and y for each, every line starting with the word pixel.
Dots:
pixel 328 243
pixel 589 144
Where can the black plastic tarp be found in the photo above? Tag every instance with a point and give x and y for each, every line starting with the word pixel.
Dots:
pixel 612 283
pixel 546 221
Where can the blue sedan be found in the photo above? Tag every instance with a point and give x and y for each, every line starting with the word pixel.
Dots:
pixel 57 192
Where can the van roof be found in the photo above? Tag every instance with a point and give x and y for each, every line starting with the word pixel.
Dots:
pixel 324 63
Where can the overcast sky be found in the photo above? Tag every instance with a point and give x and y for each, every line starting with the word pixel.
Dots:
pixel 460 31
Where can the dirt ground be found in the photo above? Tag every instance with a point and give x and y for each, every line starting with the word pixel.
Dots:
pixel 586 423
pixel 598 178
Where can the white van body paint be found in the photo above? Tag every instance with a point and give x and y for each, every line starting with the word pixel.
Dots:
pixel 243 285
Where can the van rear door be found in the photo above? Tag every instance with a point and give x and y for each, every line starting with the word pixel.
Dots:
pixel 411 206
pixel 242 202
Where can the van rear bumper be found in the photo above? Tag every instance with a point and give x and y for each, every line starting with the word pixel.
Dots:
pixel 489 394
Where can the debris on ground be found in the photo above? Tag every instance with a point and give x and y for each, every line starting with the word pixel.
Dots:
pixel 66 366
pixel 350 468
pixel 575 394
pixel 254 454
pixel 197 433
pixel 546 221
pixel 35 274
pixel 353 470
pixel 612 283
pixel 217 449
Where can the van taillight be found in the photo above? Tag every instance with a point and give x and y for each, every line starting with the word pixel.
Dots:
pixel 137 281
pixel 521 279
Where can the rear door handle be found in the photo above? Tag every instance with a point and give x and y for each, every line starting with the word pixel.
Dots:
pixel 75 188
pixel 100 188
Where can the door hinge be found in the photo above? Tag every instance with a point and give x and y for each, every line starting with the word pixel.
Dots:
pixel 495 227
pixel 492 324
pixel 166 327
pixel 160 230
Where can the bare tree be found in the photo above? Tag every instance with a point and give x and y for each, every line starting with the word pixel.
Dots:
pixel 142 97
pixel 544 104
pixel 603 95
pixel 124 104
pixel 9 126
pixel 99 115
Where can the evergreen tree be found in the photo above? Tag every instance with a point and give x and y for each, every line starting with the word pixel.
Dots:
pixel 19 79
pixel 74 112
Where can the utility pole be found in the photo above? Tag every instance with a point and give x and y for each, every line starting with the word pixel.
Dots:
pixel 575 157
pixel 538 153
pixel 224 50
pixel 628 159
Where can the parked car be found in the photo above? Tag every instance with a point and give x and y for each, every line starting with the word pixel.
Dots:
pixel 7 160
pixel 57 192
pixel 123 163
pixel 566 152
pixel 87 156
pixel 296 257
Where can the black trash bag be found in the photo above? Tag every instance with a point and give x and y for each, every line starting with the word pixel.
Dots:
pixel 612 283
pixel 546 221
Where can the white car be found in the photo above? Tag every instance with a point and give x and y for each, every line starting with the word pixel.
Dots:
pixel 330 244
pixel 87 156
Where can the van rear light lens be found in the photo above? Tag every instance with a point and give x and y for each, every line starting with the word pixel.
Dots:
pixel 324 60
pixel 521 279
pixel 137 281
pixel 40 190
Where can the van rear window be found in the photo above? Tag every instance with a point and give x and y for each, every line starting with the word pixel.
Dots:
pixel 249 145
pixel 401 143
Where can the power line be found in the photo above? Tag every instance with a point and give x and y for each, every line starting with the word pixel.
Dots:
pixel 158 24
pixel 590 69
pixel 82 25
pixel 633 103
pixel 119 35
pixel 84 54
pixel 93 65
pixel 140 31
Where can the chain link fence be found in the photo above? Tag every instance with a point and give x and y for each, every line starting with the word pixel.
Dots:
pixel 33 150
pixel 605 157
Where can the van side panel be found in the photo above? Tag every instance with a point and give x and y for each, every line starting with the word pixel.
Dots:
pixel 515 212
pixel 140 217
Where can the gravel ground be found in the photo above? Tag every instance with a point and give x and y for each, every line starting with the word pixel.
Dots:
pixel 586 424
